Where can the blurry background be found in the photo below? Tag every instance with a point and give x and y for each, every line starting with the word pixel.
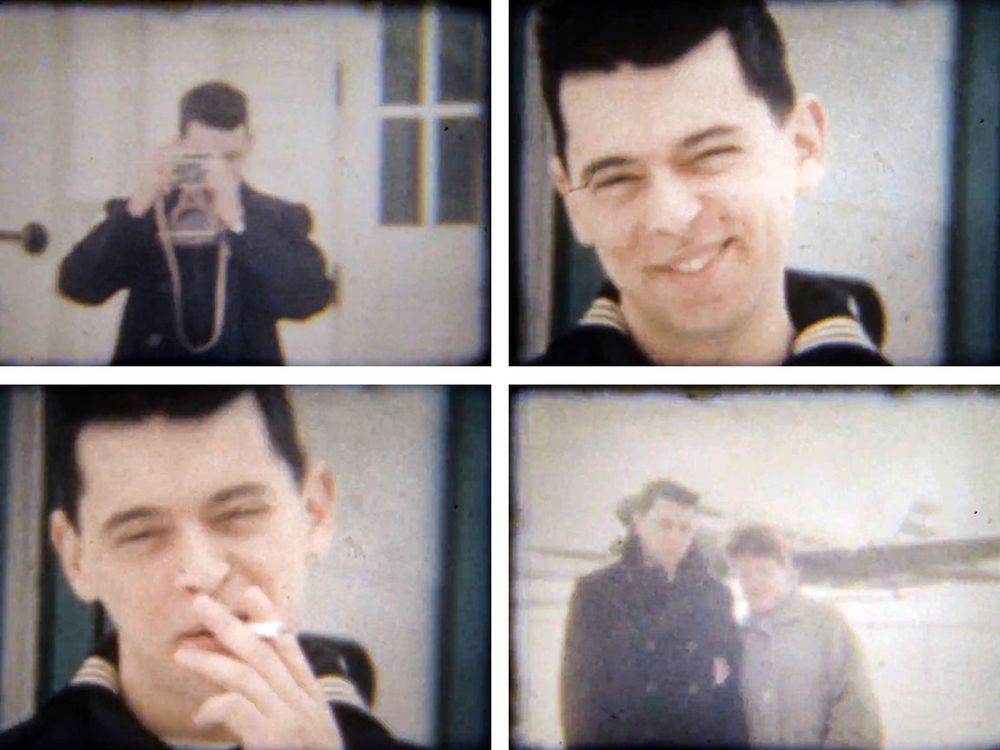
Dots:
pixel 838 471
pixel 373 116
pixel 910 200
pixel 406 576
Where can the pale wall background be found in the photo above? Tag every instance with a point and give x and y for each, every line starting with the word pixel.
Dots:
pixel 87 92
pixel 842 469
pixel 381 584
pixel 883 71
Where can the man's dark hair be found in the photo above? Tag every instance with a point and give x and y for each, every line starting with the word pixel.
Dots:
pixel 633 507
pixel 759 540
pixel 579 36
pixel 69 410
pixel 216 104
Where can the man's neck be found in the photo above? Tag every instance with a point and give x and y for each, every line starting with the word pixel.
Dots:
pixel 162 708
pixel 669 569
pixel 765 339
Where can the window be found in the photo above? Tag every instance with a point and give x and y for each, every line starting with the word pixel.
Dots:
pixel 431 115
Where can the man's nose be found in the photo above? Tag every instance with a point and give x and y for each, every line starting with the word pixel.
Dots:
pixel 672 204
pixel 201 563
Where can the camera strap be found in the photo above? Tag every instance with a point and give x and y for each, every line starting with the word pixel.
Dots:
pixel 222 253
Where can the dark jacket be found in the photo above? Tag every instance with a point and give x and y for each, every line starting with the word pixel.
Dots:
pixel 275 271
pixel 638 658
pixel 89 714
pixel 825 316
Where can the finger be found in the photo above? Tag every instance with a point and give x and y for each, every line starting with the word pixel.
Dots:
pixel 232 710
pixel 232 675
pixel 287 645
pixel 238 638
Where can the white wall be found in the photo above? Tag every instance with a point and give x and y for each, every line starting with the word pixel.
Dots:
pixel 842 469
pixel 381 584
pixel 883 71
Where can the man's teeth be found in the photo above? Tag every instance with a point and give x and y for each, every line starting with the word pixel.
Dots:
pixel 693 265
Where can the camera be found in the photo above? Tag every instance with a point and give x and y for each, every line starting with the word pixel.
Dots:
pixel 191 221
pixel 189 169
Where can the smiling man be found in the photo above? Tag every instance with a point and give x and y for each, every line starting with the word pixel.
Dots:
pixel 191 515
pixel 214 301
pixel 681 147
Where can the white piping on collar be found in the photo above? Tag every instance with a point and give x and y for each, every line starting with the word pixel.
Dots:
pixel 839 329
pixel 604 311
pixel 99 672
pixel 96 670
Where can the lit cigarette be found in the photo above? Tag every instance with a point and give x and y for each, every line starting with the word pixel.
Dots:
pixel 268 630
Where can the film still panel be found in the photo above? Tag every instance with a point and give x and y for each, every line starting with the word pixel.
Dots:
pixel 779 568
pixel 252 566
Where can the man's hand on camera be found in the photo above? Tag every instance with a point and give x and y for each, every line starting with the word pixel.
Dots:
pixel 270 698
pixel 223 183
pixel 156 179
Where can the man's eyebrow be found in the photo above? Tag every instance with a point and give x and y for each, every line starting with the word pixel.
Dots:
pixel 237 491
pixel 142 512
pixel 594 167
pixel 716 131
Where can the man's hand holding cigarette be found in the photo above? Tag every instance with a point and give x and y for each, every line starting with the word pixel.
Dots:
pixel 270 697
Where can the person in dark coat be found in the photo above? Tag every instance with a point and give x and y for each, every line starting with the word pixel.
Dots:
pixel 651 646
pixel 218 303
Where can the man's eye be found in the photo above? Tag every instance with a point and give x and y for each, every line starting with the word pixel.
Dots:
pixel 140 536
pixel 617 180
pixel 241 513
pixel 714 156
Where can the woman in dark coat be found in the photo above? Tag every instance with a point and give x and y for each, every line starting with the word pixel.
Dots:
pixel 651 645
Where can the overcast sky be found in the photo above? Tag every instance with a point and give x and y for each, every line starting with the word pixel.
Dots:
pixel 835 465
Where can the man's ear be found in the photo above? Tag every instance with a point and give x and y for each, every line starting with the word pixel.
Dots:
pixel 562 184
pixel 807 124
pixel 319 491
pixel 66 540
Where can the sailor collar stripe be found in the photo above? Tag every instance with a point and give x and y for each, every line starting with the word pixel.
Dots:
pixel 96 671
pixel 604 311
pixel 839 329
pixel 338 689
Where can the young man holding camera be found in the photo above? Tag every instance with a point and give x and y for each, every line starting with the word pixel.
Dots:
pixel 215 301
pixel 680 148
pixel 191 514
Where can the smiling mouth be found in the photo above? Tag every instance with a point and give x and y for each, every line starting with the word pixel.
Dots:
pixel 689 266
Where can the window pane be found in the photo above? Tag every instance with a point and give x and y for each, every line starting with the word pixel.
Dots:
pixel 460 174
pixel 401 54
pixel 461 68
pixel 400 172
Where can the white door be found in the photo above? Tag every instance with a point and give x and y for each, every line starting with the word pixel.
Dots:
pixel 409 186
